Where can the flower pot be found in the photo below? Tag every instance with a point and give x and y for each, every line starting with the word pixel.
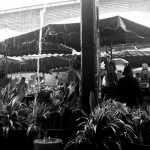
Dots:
pixel 64 134
pixel 48 144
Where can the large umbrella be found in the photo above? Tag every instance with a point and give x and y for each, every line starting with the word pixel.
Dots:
pixel 15 60
pixel 139 69
pixel 135 57
pixel 50 62
pixel 120 61
pixel 27 44
pixel 6 33
pixel 59 37
pixel 132 53
pixel 114 29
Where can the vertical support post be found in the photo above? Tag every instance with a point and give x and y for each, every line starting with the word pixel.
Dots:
pixel 88 51
pixel 6 62
pixel 111 49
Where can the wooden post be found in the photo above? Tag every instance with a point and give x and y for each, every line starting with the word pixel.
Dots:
pixel 89 51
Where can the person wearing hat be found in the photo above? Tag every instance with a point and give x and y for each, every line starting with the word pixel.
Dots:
pixel 128 89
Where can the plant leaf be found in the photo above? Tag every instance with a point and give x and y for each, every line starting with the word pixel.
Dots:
pixel 92 101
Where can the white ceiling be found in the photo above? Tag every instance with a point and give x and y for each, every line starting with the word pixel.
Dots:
pixel 11 4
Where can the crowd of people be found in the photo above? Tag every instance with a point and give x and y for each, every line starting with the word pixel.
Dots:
pixel 125 86
pixel 120 85
pixel 25 86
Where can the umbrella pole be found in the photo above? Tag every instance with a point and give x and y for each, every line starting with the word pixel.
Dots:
pixel 0 64
pixel 111 50
pixel 44 74
pixel 11 72
pixel 38 61
pixel 6 53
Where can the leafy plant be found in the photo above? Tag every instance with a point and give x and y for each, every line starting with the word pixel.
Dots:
pixel 141 124
pixel 108 124
pixel 47 116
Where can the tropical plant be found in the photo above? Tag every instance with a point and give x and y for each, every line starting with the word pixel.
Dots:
pixel 109 124
pixel 14 115
pixel 14 121
pixel 141 124
pixel 51 115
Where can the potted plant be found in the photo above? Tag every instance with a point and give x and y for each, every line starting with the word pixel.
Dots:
pixel 107 127
pixel 48 143
pixel 55 119
pixel 14 123
pixel 141 124
pixel 38 129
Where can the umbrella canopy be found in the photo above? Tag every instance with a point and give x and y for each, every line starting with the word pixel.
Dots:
pixel 27 44
pixel 138 70
pixel 6 33
pixel 114 29
pixel 54 62
pixel 10 61
pixel 118 66
pixel 135 57
pixel 46 64
pixel 132 52
pixel 120 61
pixel 59 37
pixel 14 60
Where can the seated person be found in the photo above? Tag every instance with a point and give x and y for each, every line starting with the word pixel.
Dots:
pixel 128 89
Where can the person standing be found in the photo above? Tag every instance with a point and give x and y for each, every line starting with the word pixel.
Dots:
pixel 74 73
pixel 74 77
pixel 110 67
pixel 128 89
pixel 56 81
pixel 144 74
pixel 111 77
pixel 137 75
pixel 119 74
pixel 22 86
pixel 4 82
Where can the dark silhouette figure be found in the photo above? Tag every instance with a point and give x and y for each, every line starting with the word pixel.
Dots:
pixel 128 88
